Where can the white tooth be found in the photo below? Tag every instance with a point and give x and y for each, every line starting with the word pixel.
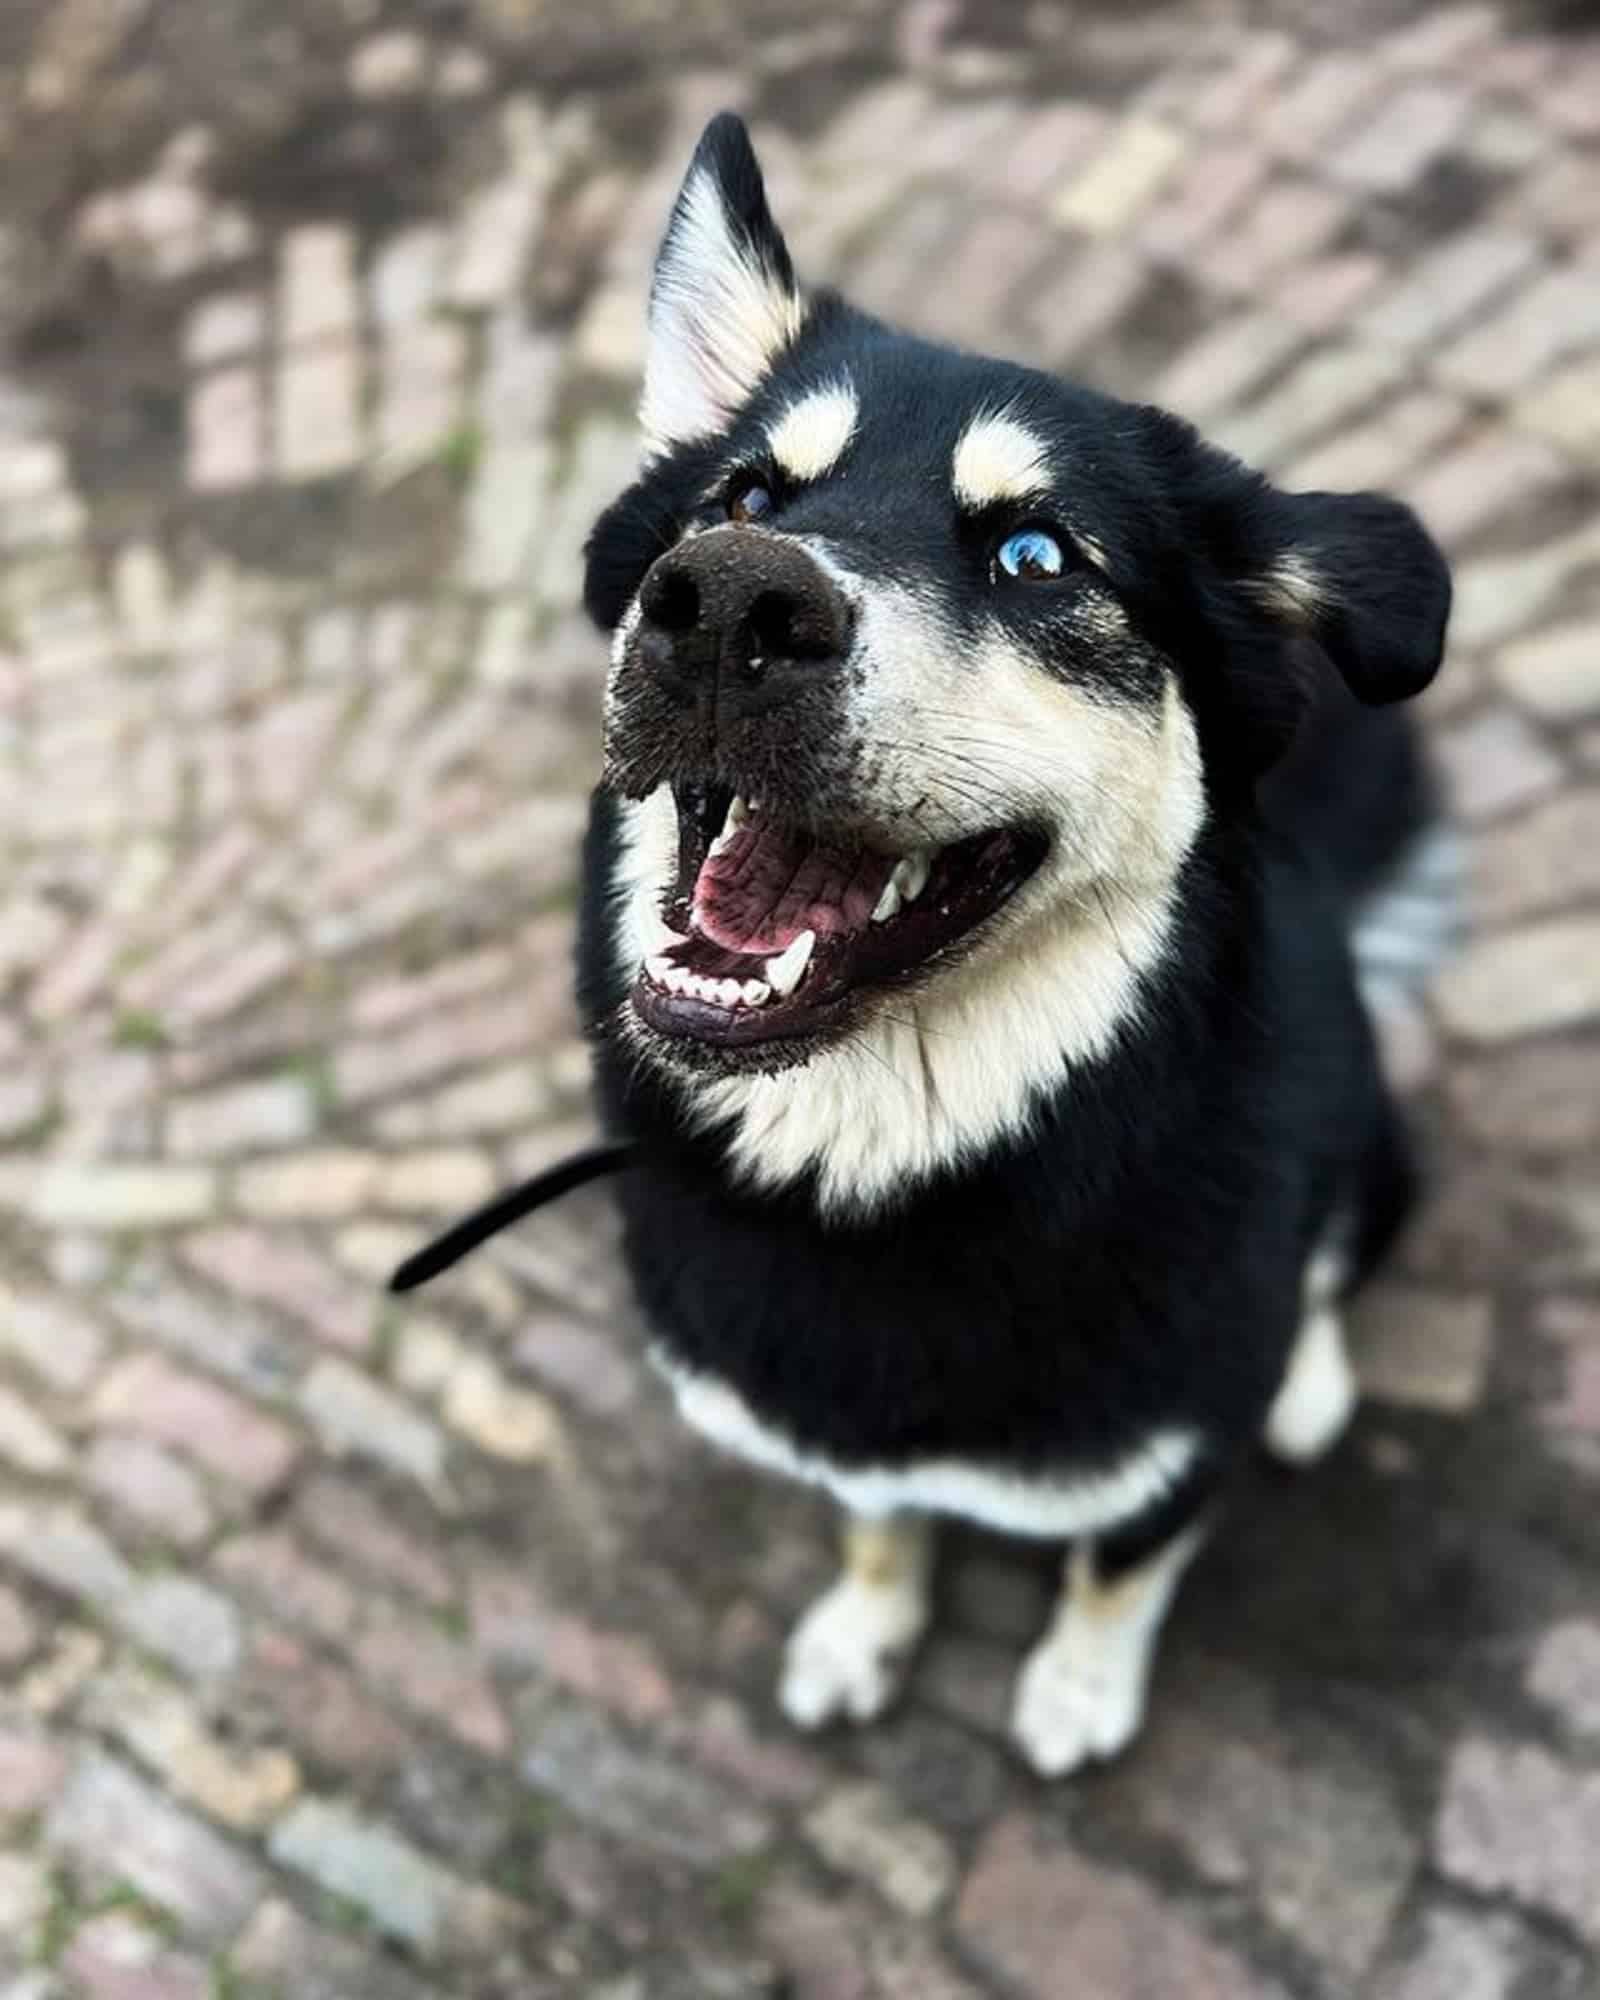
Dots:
pixel 756 993
pixel 888 904
pixel 785 971
pixel 729 992
pixel 658 968
pixel 737 815
pixel 722 841
pixel 911 875
pixel 754 806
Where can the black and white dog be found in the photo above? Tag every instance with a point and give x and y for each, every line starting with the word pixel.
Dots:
pixel 995 776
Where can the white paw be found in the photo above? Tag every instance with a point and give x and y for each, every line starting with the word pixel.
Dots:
pixel 847 1655
pixel 1318 1397
pixel 1077 1698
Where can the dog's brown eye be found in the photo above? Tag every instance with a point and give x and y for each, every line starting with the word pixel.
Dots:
pixel 749 499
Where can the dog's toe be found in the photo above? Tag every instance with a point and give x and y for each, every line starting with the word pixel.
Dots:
pixel 1314 1406
pixel 846 1656
pixel 1071 1707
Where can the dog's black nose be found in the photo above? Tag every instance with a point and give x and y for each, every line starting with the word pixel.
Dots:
pixel 734 598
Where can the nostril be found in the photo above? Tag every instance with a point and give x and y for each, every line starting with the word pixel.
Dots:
pixel 671 600
pixel 771 621
pixel 787 625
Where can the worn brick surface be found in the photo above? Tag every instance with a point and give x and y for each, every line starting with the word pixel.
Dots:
pixel 1288 1812
pixel 146 1394
pixel 356 1647
pixel 115 1957
pixel 1514 1818
pixel 118 1828
pixel 1032 1905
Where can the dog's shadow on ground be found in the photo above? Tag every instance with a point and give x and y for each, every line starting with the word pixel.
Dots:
pixel 1394 1578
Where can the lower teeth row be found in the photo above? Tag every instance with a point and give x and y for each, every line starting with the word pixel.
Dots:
pixel 720 992
pixel 785 970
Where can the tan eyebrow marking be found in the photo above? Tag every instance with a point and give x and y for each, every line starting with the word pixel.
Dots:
pixel 810 436
pixel 997 458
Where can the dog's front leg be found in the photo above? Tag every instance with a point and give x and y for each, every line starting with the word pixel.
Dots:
pixel 848 1655
pixel 1082 1688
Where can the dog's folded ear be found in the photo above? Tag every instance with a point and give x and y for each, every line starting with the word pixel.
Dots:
pixel 723 302
pixel 1358 574
pixel 1287 585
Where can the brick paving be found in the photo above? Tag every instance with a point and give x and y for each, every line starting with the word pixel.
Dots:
pixel 350 1649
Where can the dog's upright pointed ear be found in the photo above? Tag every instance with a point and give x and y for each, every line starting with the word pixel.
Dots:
pixel 1358 574
pixel 723 303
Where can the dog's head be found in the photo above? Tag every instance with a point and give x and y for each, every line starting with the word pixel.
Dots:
pixel 920 657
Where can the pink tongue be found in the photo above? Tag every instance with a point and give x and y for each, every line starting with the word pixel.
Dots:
pixel 768 885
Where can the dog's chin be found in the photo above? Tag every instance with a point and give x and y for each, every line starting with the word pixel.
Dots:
pixel 781 940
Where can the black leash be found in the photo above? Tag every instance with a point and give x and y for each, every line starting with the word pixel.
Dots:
pixel 504 1209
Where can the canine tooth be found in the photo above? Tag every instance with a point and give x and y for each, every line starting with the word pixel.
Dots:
pixel 756 992
pixel 658 968
pixel 888 904
pixel 911 875
pixel 784 972
pixel 738 813
pixel 662 940
pixel 678 979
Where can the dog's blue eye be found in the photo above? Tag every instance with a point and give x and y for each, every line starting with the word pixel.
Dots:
pixel 1031 555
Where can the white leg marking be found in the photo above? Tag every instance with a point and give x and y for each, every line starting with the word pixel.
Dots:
pixel 1318 1397
pixel 1082 1688
pixel 848 1654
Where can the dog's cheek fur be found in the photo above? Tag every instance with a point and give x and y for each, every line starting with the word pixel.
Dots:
pixel 968 729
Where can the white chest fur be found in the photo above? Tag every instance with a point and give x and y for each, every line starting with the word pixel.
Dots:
pixel 1055 1507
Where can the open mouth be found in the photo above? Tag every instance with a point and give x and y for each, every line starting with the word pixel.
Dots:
pixel 774 929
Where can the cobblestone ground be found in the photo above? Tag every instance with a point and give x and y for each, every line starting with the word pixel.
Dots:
pixel 351 1650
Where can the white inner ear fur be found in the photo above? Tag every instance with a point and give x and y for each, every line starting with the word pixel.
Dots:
pixel 1292 588
pixel 944 1072
pixel 718 319
pixel 809 438
pixel 996 458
